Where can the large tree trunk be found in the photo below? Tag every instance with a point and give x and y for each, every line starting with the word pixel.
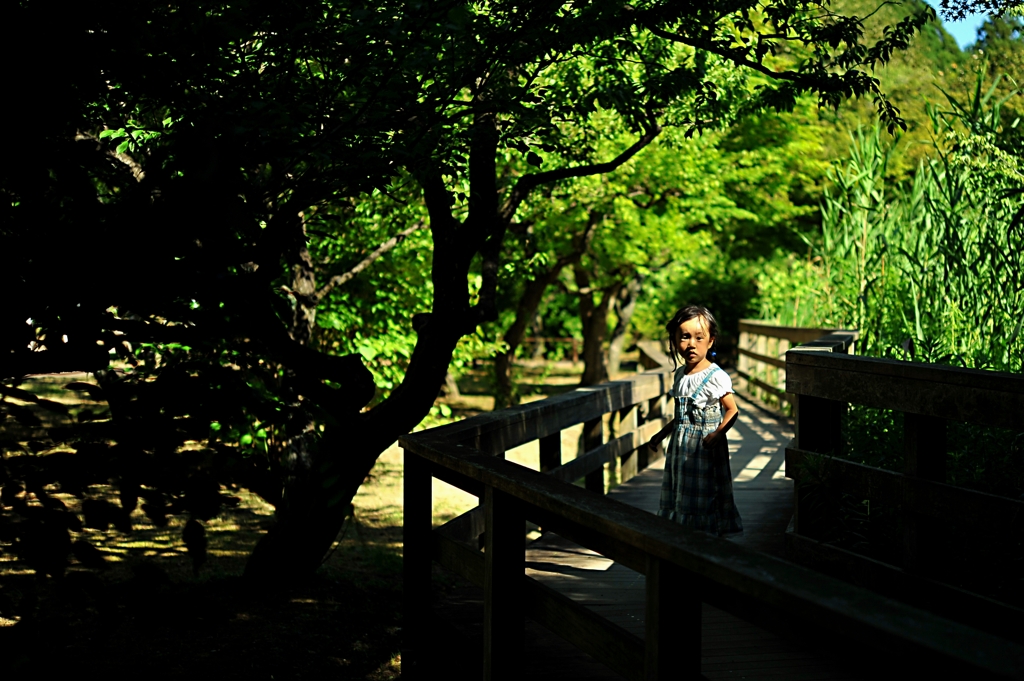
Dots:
pixel 625 306
pixel 594 316
pixel 304 517
pixel 310 520
pixel 315 510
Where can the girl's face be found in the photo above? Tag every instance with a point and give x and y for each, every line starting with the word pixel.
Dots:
pixel 694 342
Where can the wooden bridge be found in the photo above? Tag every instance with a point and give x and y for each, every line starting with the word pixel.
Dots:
pixel 648 599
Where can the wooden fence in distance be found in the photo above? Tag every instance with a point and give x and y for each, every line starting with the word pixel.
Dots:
pixel 761 358
pixel 539 345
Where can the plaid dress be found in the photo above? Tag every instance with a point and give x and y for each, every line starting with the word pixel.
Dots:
pixel 697 487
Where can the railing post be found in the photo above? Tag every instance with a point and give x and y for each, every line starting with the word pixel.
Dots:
pixel 416 563
pixel 743 362
pixel 783 348
pixel 818 429
pixel 762 349
pixel 627 423
pixel 672 625
pixel 593 437
pixel 924 449
pixel 550 451
pixel 504 564
pixel 818 423
pixel 657 405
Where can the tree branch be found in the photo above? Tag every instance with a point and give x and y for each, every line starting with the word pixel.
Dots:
pixel 137 171
pixel 344 277
pixel 484 218
pixel 820 83
pixel 736 56
pixel 438 201
pixel 528 183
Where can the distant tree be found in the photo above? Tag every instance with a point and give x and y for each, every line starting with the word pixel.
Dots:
pixel 166 192
pixel 596 237
pixel 652 212
pixel 772 169
pixel 1000 48
pixel 912 79
pixel 748 190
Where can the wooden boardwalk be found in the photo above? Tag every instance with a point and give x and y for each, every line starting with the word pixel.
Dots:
pixel 732 648
pixel 810 625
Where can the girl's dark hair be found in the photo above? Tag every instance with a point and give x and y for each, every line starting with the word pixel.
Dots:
pixel 685 314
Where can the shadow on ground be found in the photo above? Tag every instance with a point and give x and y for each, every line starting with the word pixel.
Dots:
pixel 149 615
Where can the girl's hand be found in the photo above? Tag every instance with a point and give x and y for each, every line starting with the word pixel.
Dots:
pixel 711 438
pixel 654 444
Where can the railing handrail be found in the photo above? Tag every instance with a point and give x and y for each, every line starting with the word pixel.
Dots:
pixel 957 394
pixel 499 431
pixel 794 334
pixel 763 344
pixel 726 570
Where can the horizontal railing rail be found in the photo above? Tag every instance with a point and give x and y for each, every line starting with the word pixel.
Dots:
pixel 499 431
pixel 682 568
pixel 978 396
pixel 920 495
pixel 639 408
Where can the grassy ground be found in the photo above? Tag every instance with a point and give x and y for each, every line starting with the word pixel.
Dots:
pixel 149 613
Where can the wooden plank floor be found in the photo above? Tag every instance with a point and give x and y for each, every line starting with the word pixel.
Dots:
pixel 732 648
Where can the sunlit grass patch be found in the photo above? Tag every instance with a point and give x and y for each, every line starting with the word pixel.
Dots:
pixel 392 669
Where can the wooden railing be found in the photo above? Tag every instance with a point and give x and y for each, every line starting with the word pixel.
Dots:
pixel 761 358
pixel 929 396
pixel 652 354
pixel 682 568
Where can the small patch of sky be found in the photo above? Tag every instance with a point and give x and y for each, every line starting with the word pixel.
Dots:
pixel 965 32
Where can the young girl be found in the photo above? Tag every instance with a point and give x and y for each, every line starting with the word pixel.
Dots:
pixel 697 488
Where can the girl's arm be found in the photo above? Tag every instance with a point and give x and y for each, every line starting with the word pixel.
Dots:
pixel 661 434
pixel 728 418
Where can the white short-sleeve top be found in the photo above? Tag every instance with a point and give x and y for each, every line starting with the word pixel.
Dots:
pixel 718 385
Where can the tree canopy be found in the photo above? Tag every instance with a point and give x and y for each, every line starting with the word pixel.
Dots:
pixel 202 178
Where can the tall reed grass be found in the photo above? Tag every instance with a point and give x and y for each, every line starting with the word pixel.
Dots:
pixel 931 269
